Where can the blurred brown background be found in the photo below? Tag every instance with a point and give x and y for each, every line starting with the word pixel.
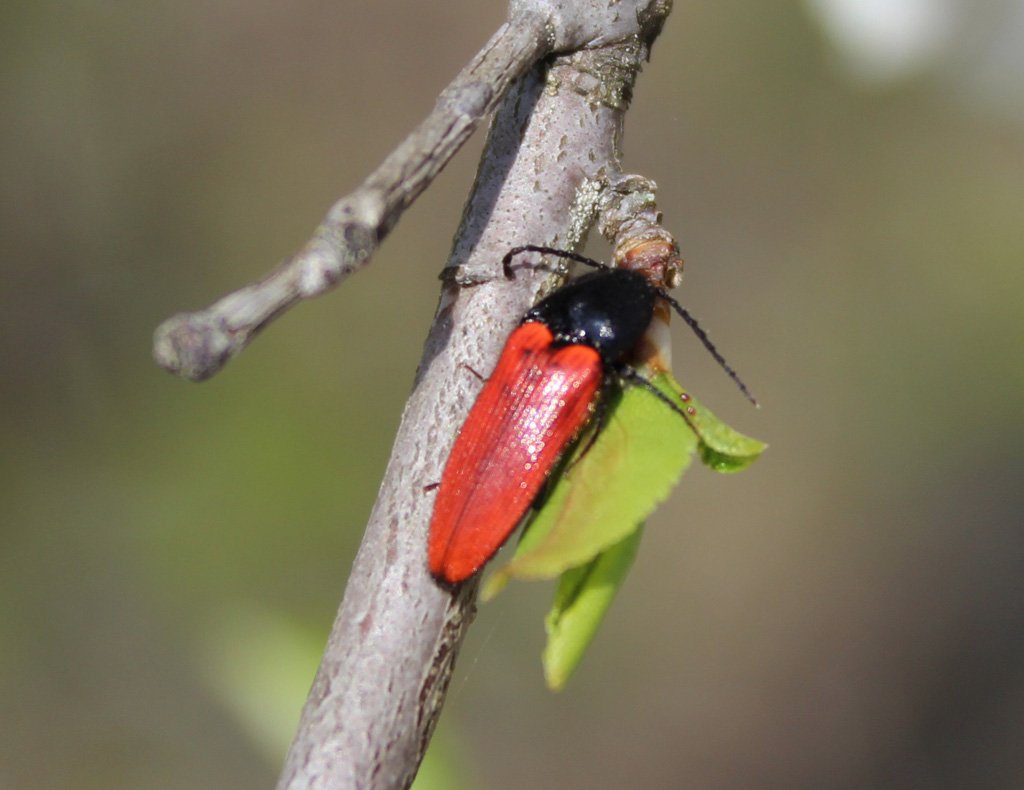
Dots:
pixel 849 613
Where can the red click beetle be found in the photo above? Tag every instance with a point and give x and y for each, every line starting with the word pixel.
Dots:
pixel 548 384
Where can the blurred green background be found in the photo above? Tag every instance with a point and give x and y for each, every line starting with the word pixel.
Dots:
pixel 848 613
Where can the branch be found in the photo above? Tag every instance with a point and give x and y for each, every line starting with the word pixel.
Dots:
pixel 552 154
pixel 380 687
pixel 197 345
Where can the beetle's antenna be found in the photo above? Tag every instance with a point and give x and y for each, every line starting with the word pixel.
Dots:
pixel 703 337
pixel 506 264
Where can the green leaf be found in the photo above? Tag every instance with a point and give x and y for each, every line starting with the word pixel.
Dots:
pixel 721 448
pixel 587 525
pixel 614 485
pixel 581 600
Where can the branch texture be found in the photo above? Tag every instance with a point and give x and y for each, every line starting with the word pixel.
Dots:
pixel 553 143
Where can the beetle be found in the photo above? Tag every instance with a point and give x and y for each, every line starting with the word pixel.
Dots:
pixel 553 374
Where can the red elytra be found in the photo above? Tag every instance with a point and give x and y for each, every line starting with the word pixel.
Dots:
pixel 530 409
